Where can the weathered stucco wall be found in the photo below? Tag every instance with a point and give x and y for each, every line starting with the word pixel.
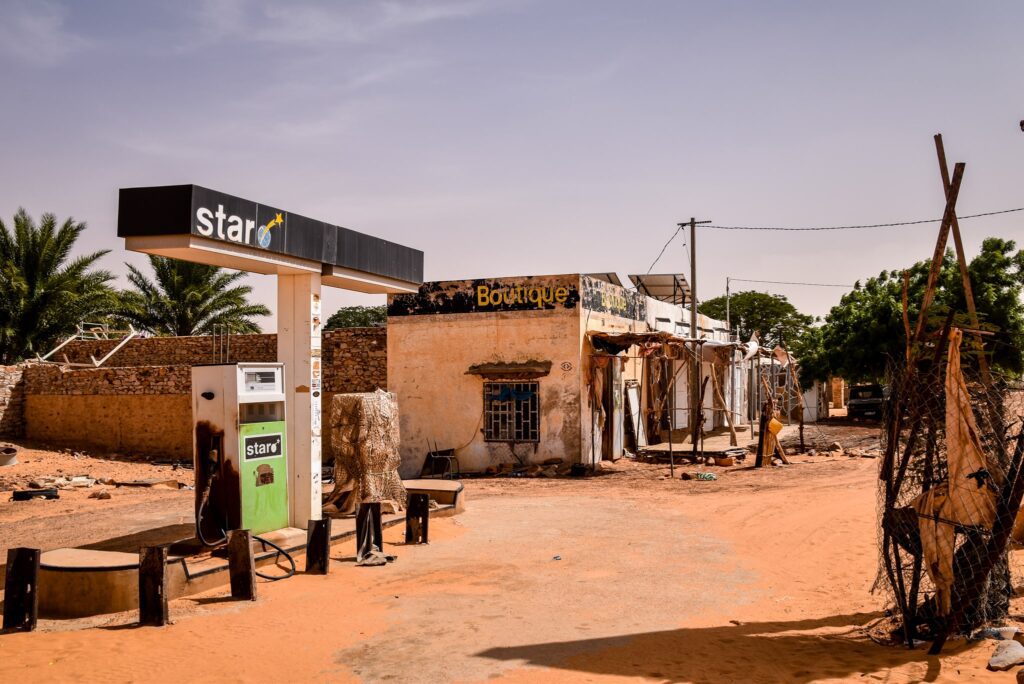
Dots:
pixel 429 354
pixel 127 410
pixel 12 401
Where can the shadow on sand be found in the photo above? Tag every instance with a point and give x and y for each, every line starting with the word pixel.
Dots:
pixel 752 652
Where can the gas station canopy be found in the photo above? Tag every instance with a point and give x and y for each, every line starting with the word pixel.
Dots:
pixel 197 224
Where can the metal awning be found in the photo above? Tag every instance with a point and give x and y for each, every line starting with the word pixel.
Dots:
pixel 611 278
pixel 667 287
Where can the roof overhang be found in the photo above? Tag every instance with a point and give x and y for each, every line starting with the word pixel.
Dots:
pixel 193 223
pixel 205 251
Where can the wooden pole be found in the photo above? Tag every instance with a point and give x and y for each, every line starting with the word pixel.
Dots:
pixel 733 441
pixel 21 589
pixel 153 586
pixel 241 565
pixel 940 247
pixel 318 547
pixel 965 276
pixel 762 426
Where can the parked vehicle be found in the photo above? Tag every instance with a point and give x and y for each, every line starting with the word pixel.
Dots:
pixel 866 401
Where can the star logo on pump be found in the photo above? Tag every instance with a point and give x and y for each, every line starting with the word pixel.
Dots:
pixel 263 234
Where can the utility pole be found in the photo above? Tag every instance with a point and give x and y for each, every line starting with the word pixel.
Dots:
pixel 695 365
pixel 728 321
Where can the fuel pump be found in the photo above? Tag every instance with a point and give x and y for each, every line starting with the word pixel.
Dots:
pixel 241 462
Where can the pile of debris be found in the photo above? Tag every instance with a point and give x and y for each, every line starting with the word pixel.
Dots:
pixel 552 467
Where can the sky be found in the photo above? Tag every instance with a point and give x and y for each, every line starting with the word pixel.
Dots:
pixel 520 137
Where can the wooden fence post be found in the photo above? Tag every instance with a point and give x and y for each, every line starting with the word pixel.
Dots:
pixel 153 586
pixel 21 589
pixel 241 565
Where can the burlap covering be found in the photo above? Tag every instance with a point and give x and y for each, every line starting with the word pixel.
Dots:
pixel 364 437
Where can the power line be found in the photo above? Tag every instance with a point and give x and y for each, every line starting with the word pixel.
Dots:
pixel 785 282
pixel 872 225
pixel 662 252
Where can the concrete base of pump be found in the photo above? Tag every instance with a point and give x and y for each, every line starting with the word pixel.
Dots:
pixel 80 582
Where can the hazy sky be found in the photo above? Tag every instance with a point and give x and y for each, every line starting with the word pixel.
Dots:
pixel 512 137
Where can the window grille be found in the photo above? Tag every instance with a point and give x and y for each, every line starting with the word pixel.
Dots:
pixel 511 412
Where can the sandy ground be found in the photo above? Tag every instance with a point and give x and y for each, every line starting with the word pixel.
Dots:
pixel 77 520
pixel 760 576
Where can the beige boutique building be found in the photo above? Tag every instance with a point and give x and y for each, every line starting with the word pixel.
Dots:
pixel 506 370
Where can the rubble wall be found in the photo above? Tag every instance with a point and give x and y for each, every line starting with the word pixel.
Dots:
pixel 145 410
pixel 12 401
pixel 355 359
pixel 173 351
pixel 141 402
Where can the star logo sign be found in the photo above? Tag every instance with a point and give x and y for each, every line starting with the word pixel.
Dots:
pixel 263 234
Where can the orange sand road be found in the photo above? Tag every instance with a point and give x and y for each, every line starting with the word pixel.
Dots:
pixel 761 576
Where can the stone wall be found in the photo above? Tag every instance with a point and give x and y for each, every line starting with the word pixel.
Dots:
pixel 140 401
pixel 12 401
pixel 355 360
pixel 173 351
pixel 141 410
pixel 53 380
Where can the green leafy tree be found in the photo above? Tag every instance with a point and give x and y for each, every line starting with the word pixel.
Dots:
pixel 188 299
pixel 358 317
pixel 865 331
pixel 772 317
pixel 44 292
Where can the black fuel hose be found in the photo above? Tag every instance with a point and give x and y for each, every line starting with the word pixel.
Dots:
pixel 224 537
pixel 280 552
pixel 199 519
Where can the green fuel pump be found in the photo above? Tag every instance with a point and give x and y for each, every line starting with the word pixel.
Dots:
pixel 241 450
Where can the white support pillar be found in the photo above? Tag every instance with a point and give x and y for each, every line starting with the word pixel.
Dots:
pixel 298 347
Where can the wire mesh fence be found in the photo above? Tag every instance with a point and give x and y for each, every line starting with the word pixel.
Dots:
pixel 950 488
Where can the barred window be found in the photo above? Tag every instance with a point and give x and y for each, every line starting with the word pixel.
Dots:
pixel 511 412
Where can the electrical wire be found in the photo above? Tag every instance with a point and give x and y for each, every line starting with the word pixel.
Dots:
pixel 785 282
pixel 662 252
pixel 861 227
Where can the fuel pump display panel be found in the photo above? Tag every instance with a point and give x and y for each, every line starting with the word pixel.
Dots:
pixel 263 472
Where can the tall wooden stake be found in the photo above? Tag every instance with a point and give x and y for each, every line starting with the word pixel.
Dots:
pixel 962 262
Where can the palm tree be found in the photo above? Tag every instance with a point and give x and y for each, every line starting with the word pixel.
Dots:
pixel 188 299
pixel 44 293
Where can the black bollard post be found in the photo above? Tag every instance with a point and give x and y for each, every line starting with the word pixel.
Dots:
pixel 417 519
pixel 21 589
pixel 369 534
pixel 153 586
pixel 318 547
pixel 241 565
